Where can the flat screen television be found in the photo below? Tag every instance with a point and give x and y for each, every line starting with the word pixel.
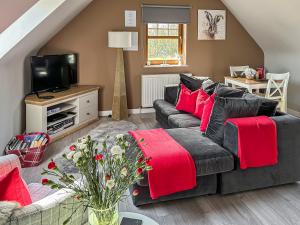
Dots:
pixel 53 72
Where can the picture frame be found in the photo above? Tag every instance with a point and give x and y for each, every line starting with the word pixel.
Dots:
pixel 211 24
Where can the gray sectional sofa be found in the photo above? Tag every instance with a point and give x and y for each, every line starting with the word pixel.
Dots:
pixel 217 166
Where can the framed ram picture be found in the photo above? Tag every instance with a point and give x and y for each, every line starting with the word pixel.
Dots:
pixel 211 24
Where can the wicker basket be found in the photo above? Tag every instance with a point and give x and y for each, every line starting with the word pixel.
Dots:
pixel 29 157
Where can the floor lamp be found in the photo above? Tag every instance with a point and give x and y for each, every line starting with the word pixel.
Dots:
pixel 119 40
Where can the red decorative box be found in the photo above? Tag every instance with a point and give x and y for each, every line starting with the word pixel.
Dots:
pixel 30 156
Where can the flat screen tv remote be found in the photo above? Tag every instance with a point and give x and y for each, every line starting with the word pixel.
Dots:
pixel 130 221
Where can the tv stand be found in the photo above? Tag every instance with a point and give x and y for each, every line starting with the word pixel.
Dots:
pixel 55 90
pixel 65 113
pixel 44 96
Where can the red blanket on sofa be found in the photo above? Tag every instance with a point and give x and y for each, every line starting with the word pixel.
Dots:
pixel 257 141
pixel 173 168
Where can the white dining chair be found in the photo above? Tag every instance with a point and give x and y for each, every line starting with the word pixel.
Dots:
pixel 235 71
pixel 277 89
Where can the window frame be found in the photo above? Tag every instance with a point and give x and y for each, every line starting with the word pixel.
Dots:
pixel 180 46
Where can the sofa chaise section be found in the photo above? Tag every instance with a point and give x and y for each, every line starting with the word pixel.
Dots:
pixel 210 159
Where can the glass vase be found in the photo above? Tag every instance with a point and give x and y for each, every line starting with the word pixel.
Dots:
pixel 108 216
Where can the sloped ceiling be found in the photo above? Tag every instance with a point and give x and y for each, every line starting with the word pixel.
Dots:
pixel 275 26
pixel 11 10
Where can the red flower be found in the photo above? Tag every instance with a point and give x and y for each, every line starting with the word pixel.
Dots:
pixel 139 171
pixel 45 181
pixel 51 165
pixel 98 157
pixel 72 148
pixel 107 177
pixel 141 160
pixel 148 160
pixel 135 192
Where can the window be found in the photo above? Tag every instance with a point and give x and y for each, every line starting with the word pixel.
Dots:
pixel 164 43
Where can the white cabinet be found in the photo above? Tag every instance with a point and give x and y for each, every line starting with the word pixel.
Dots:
pixel 67 112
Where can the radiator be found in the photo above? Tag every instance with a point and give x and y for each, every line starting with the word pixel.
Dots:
pixel 153 87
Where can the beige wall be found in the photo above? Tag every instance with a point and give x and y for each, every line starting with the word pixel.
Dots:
pixel 87 35
pixel 11 10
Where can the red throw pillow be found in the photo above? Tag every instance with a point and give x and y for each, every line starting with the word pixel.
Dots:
pixel 13 188
pixel 187 100
pixel 200 102
pixel 208 106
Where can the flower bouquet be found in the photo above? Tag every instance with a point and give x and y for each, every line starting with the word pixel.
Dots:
pixel 106 172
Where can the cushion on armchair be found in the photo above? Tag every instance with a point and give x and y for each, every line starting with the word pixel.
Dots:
pixel 13 188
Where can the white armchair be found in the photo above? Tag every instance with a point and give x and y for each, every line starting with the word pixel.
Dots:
pixel 48 207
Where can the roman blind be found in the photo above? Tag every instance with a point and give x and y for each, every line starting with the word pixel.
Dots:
pixel 166 14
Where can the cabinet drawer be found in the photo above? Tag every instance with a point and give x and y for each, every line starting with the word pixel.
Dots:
pixel 88 100
pixel 88 113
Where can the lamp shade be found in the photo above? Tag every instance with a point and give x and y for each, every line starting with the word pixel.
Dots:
pixel 118 39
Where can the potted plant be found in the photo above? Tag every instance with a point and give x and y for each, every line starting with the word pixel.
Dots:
pixel 106 172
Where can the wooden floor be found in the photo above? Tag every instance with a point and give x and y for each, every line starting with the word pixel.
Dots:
pixel 272 206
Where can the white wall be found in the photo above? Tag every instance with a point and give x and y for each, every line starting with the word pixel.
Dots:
pixel 13 87
pixel 10 10
pixel 14 71
pixel 274 25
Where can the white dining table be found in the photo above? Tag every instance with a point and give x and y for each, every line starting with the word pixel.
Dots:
pixel 251 85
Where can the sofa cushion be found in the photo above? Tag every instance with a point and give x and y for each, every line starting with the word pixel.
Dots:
pixel 171 93
pixel 225 108
pixel 209 86
pixel 187 99
pixel 223 90
pixel 268 106
pixel 200 103
pixel 209 157
pixel 165 108
pixel 14 188
pixel 190 82
pixel 38 191
pixel 208 106
pixel 183 120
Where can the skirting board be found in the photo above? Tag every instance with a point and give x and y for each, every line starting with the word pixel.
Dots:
pixel 130 111
pixel 293 112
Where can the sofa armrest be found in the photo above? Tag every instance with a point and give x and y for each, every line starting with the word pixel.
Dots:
pixel 8 163
pixel 288 135
pixel 170 93
pixel 231 138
